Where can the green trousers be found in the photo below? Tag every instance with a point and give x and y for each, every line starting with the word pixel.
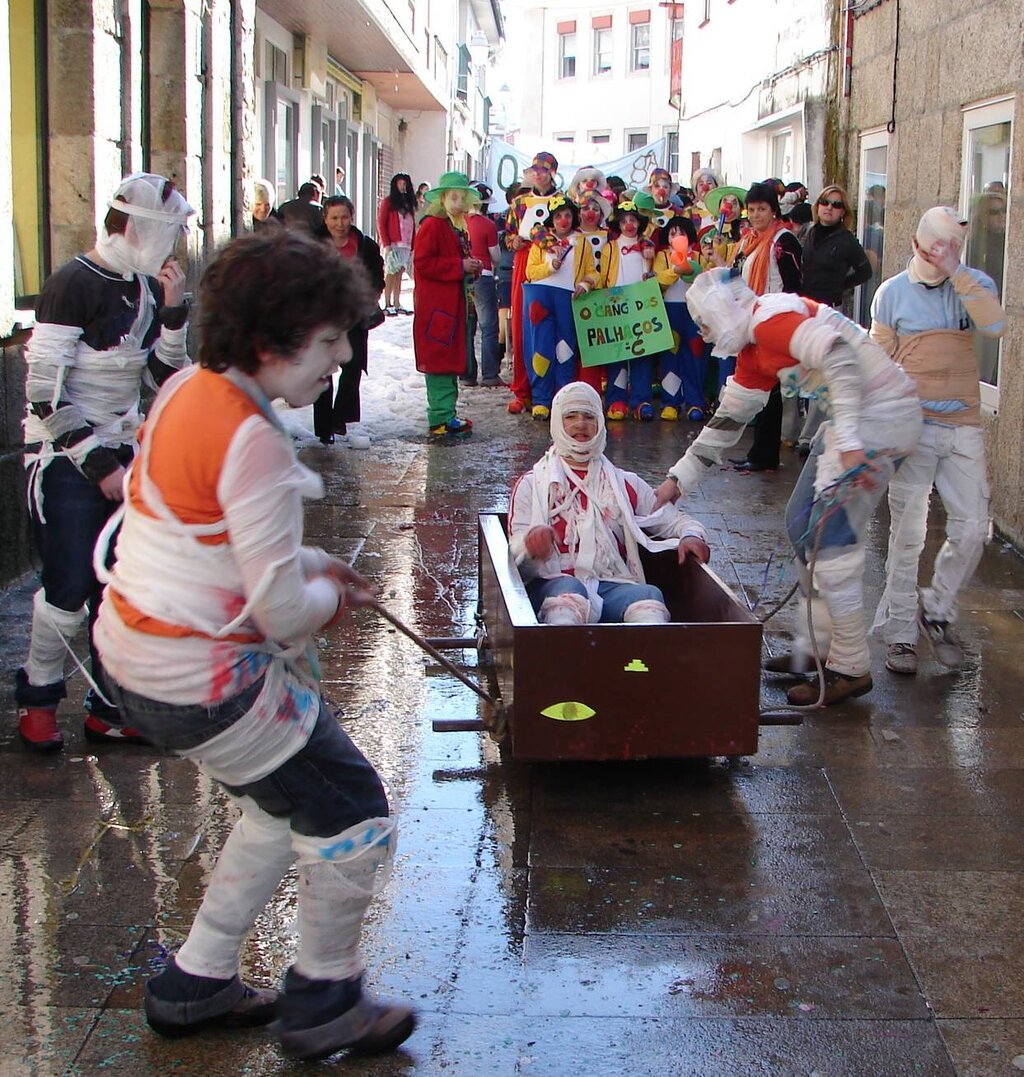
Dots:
pixel 442 392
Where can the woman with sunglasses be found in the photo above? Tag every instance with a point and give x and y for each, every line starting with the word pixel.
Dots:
pixel 834 262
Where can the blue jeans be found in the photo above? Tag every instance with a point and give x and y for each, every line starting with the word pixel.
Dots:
pixel 76 512
pixel 485 305
pixel 616 598
pixel 326 787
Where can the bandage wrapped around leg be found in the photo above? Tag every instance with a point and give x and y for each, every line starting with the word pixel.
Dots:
pixel 252 863
pixel 821 622
pixel 52 631
pixel 646 611
pixel 338 878
pixel 568 609
pixel 841 583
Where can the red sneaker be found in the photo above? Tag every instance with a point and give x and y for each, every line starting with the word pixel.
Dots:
pixel 37 727
pixel 516 406
pixel 102 733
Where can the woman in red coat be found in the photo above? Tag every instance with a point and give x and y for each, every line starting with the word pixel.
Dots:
pixel 443 272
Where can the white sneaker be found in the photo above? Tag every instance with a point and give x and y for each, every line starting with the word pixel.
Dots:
pixel 901 658
pixel 943 640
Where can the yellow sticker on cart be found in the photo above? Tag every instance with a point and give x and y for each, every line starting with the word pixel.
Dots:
pixel 569 712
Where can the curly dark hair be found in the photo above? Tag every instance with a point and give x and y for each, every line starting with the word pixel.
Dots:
pixel 269 291
pixel 404 203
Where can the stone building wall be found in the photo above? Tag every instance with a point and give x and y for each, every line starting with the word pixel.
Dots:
pixel 201 126
pixel 952 54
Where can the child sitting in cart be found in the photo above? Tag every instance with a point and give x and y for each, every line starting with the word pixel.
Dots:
pixel 577 521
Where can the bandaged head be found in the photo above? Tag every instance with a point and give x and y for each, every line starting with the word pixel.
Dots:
pixel 155 223
pixel 940 224
pixel 577 396
pixel 722 305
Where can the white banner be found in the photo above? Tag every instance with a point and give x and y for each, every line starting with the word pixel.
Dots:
pixel 507 164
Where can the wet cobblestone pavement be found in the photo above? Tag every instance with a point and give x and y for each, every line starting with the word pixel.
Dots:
pixel 848 901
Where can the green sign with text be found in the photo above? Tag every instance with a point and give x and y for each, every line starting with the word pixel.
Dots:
pixel 613 324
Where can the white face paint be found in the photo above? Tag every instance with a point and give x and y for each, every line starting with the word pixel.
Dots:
pixel 301 377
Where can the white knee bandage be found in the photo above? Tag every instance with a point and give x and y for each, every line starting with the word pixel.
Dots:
pixel 646 611
pixel 840 581
pixel 338 877
pixel 252 863
pixel 52 631
pixel 565 610
pixel 849 653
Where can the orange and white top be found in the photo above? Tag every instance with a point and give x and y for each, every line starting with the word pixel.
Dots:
pixel 212 587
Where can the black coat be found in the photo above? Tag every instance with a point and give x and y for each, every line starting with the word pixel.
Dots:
pixel 833 262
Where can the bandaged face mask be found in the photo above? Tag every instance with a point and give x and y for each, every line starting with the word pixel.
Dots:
pixel 155 223
pixel 577 398
pixel 722 308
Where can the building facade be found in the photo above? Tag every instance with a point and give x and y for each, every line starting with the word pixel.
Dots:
pixel 597 77
pixel 214 93
pixel 930 114
pixel 756 83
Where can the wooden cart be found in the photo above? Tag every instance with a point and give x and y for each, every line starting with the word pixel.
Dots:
pixel 619 691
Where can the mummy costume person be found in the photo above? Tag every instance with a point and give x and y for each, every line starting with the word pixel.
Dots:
pixel 927 318
pixel 207 630
pixel 577 521
pixel 107 322
pixel 875 424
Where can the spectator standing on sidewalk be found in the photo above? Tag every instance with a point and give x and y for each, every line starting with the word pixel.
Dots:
pixel 833 264
pixel 483 242
pixel 207 627
pixel 769 259
pixel 106 322
pixel 396 225
pixel 444 271
pixel 928 318
pixel 331 419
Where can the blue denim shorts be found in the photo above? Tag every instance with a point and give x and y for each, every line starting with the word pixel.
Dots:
pixel 326 787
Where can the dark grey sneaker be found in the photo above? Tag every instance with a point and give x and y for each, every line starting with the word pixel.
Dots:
pixel 318 1018
pixel 901 658
pixel 943 640
pixel 234 1005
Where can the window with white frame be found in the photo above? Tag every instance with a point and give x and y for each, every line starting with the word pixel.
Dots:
pixel 874 180
pixel 672 149
pixel 635 139
pixel 565 136
pixel 984 197
pixel 599 138
pixel 567 53
pixel 602 50
pixel 781 151
pixel 640 46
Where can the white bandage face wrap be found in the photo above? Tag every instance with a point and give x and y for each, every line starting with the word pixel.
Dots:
pixel 154 225
pixel 940 224
pixel 577 397
pixel 722 306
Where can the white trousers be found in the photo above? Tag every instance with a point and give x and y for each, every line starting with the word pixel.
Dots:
pixel 952 459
